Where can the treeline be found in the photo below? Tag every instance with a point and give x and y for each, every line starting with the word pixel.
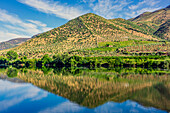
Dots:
pixel 77 61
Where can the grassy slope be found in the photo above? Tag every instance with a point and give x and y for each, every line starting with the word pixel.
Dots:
pixel 131 46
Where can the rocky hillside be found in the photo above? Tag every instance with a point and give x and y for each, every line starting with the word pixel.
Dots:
pixel 12 43
pixel 164 31
pixel 158 21
pixel 157 17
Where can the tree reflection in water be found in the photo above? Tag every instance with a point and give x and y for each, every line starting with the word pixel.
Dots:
pixel 95 87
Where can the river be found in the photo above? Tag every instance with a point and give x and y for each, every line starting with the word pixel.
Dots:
pixel 82 90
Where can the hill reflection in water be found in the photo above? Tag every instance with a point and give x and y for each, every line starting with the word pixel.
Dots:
pixel 97 88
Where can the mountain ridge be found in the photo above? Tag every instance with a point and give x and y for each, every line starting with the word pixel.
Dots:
pixel 159 16
pixel 12 43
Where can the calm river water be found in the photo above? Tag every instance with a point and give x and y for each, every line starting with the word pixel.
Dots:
pixel 84 90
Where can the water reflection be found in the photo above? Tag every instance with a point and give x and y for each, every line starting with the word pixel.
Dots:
pixel 12 72
pixel 95 90
pixel 14 94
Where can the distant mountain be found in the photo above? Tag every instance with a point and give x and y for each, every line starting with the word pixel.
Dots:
pixel 157 17
pixel 12 43
pixel 157 20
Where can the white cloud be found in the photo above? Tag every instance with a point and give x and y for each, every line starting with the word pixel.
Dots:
pixel 151 2
pixel 51 7
pixel 141 7
pixel 143 3
pixel 140 11
pixel 37 23
pixel 133 7
pixel 120 8
pixel 5 35
pixel 5 17
pixel 146 10
pixel 13 27
pixel 107 8
pixel 85 1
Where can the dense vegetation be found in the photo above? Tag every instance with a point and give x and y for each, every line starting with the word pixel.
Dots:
pixel 77 61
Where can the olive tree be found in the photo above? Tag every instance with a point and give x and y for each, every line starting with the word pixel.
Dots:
pixel 12 55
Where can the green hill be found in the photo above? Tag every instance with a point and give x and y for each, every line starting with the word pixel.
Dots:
pixel 84 32
pixel 93 35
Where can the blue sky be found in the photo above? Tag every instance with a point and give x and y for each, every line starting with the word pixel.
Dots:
pixel 25 18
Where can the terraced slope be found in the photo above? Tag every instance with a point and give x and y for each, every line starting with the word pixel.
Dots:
pixel 135 28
